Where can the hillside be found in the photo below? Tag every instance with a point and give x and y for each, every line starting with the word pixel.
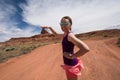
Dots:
pixel 50 37
pixel 18 46
pixel 101 63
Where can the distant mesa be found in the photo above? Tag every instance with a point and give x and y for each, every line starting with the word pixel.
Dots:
pixel 46 36
pixel 43 31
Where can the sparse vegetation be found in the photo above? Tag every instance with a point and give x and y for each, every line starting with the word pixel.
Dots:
pixel 14 51
pixel 118 42
pixel 9 48
pixel 105 35
pixel 26 45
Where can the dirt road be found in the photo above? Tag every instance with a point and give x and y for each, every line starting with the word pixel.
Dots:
pixel 101 63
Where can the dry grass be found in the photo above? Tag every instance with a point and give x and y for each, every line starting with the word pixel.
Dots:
pixel 7 52
pixel 118 42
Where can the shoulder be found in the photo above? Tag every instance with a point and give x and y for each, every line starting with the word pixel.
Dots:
pixel 71 34
pixel 71 37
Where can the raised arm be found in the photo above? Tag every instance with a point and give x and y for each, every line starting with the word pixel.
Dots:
pixel 51 29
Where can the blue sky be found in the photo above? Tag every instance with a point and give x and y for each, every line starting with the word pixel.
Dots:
pixel 23 18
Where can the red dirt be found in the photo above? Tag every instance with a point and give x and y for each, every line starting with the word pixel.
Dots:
pixel 101 63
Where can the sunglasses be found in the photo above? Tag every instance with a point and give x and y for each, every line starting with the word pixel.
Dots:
pixel 64 24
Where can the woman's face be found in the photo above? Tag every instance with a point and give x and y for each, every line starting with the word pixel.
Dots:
pixel 65 25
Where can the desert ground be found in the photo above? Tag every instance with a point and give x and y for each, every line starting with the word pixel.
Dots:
pixel 43 63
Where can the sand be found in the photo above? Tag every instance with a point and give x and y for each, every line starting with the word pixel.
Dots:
pixel 43 63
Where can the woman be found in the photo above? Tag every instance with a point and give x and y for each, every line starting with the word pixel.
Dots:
pixel 72 65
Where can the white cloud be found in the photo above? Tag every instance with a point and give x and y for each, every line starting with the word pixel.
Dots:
pixel 87 15
pixel 8 28
pixel 8 31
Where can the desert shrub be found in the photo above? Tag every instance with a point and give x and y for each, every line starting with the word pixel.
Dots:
pixel 118 42
pixel 9 48
pixel 105 35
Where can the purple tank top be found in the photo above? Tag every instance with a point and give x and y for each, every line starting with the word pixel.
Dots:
pixel 68 46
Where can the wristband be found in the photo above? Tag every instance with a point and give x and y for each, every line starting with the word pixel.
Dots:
pixel 70 55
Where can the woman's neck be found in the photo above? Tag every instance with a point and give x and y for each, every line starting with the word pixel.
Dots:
pixel 65 33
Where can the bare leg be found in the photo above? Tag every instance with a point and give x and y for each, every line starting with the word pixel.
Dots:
pixel 72 78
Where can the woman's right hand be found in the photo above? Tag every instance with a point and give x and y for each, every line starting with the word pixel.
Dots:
pixel 45 26
pixel 69 55
pixel 52 30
